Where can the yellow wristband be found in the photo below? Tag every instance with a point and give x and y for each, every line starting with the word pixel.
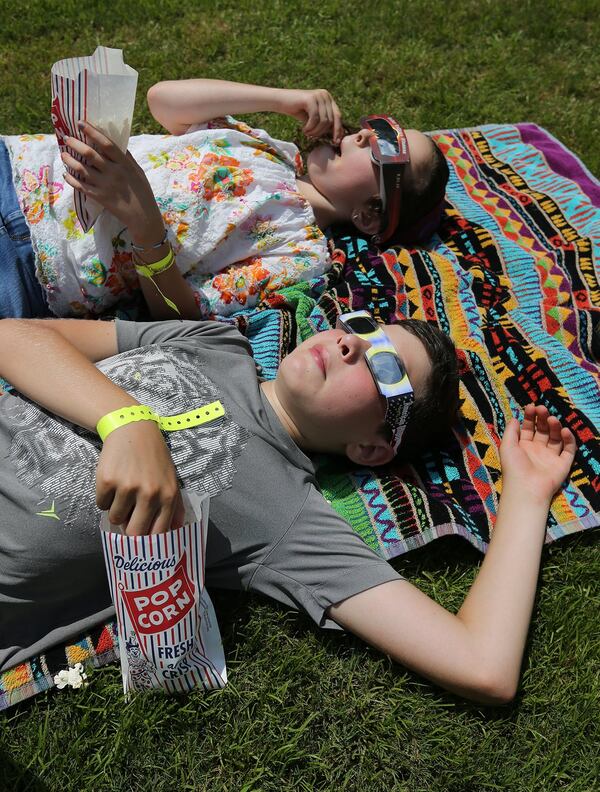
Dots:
pixel 149 270
pixel 168 423
pixel 204 414
pixel 113 420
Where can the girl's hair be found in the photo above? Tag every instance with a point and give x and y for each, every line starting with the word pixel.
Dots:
pixel 434 411
pixel 422 195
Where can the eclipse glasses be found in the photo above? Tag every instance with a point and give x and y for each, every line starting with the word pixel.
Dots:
pixel 389 150
pixel 386 368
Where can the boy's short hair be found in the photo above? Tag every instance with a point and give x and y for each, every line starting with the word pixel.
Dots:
pixel 434 411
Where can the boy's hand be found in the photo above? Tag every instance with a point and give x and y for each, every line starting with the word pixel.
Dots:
pixel 316 110
pixel 136 481
pixel 116 181
pixel 536 457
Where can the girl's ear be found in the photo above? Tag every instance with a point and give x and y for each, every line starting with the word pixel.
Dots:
pixel 379 452
pixel 367 217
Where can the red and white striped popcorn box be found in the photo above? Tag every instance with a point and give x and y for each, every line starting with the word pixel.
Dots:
pixel 100 89
pixel 168 632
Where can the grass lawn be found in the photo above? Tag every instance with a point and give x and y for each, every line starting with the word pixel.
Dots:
pixel 306 709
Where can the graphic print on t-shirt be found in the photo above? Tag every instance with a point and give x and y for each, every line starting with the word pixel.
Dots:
pixel 59 459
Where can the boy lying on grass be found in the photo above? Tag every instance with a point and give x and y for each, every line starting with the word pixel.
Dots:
pixel 359 390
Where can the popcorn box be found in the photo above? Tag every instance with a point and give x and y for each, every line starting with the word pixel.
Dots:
pixel 168 633
pixel 100 89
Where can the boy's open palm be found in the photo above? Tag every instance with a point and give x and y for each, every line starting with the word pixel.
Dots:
pixel 537 456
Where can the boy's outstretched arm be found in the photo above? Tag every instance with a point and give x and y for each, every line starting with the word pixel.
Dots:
pixel 179 104
pixel 136 481
pixel 477 653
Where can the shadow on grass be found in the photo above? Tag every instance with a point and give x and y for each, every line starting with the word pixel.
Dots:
pixel 242 617
pixel 18 779
pixel 457 553
pixel 448 556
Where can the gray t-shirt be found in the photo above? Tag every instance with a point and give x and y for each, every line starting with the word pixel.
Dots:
pixel 270 529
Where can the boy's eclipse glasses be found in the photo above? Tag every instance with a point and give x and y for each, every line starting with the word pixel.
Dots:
pixel 386 369
pixel 389 150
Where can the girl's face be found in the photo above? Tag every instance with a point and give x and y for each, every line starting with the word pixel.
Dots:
pixel 348 177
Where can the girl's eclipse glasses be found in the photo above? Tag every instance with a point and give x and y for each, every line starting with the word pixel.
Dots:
pixel 389 150
pixel 386 368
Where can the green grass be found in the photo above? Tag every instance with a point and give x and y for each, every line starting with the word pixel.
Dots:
pixel 306 709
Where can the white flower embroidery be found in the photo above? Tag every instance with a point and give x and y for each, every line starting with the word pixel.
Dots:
pixel 74 677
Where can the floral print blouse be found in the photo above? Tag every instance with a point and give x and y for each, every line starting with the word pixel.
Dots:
pixel 227 193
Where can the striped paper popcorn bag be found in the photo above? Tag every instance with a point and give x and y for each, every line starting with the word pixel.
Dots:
pixel 168 632
pixel 100 89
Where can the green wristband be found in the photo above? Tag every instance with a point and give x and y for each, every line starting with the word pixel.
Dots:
pixel 113 420
pixel 158 267
pixel 186 420
pixel 168 423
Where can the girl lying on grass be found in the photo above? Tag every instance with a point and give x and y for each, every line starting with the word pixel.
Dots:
pixel 243 217
pixel 270 531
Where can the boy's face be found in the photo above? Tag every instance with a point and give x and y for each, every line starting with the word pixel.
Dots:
pixel 328 393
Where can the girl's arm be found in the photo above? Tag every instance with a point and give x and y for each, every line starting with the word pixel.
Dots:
pixel 136 481
pixel 119 184
pixel 477 653
pixel 179 104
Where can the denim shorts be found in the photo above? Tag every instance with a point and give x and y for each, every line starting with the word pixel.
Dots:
pixel 21 294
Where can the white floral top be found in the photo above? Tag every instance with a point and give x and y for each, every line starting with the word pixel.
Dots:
pixel 238 225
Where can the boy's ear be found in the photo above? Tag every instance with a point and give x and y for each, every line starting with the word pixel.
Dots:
pixel 367 218
pixel 379 452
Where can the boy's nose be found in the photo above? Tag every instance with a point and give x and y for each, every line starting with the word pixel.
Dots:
pixel 351 347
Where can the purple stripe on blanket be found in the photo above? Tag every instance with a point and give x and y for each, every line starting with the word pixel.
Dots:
pixel 561 160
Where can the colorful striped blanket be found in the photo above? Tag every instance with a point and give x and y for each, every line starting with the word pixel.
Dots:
pixel 513 277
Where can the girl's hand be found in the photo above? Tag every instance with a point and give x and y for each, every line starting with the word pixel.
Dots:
pixel 316 110
pixel 537 456
pixel 116 181
pixel 136 481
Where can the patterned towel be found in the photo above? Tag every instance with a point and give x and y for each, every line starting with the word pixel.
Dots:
pixel 513 278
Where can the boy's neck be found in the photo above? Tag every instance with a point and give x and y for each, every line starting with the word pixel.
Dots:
pixel 269 391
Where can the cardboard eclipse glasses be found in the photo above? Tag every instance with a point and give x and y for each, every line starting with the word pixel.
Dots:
pixel 389 150
pixel 386 368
